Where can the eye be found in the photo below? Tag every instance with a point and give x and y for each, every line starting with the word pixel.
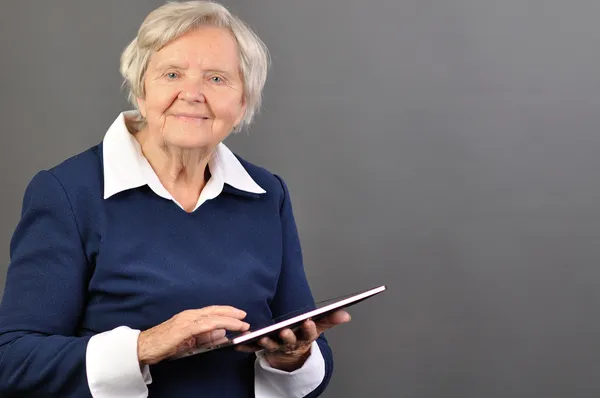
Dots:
pixel 217 79
pixel 172 75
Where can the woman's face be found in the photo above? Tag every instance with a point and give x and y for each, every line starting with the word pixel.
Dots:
pixel 194 89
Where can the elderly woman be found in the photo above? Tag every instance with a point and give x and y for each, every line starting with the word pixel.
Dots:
pixel 160 239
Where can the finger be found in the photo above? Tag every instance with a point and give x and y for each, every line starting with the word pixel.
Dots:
pixel 213 343
pixel 268 344
pixel 288 337
pixel 221 310
pixel 309 331
pixel 248 348
pixel 339 317
pixel 214 322
pixel 334 319
pixel 210 337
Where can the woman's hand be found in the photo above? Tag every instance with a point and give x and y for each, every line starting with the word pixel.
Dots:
pixel 186 330
pixel 294 348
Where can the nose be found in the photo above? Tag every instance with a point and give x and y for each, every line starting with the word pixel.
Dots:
pixel 192 93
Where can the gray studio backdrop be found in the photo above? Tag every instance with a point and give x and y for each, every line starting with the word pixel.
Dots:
pixel 447 148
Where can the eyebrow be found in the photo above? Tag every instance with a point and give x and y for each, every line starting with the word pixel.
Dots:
pixel 221 71
pixel 169 65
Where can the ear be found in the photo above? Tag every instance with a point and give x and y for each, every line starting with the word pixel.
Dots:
pixel 142 106
pixel 238 120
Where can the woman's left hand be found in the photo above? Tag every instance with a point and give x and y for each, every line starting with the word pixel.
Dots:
pixel 294 348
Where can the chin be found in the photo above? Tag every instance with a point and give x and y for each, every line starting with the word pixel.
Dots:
pixel 191 141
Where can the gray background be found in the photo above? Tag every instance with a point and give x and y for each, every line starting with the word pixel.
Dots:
pixel 446 148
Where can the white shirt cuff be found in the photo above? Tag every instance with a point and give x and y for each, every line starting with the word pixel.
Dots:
pixel 273 383
pixel 112 366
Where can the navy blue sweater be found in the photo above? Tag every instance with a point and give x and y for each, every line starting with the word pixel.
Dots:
pixel 82 265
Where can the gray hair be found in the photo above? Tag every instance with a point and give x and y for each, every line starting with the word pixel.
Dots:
pixel 173 20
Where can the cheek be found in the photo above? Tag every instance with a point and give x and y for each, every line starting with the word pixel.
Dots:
pixel 228 111
pixel 159 100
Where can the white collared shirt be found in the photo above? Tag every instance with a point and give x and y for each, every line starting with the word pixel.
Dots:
pixel 123 152
pixel 112 364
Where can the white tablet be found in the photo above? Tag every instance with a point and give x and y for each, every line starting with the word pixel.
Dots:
pixel 293 321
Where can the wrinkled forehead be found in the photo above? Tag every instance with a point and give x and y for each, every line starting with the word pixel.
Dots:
pixel 206 48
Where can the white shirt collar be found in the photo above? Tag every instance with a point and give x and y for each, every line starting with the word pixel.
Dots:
pixel 125 167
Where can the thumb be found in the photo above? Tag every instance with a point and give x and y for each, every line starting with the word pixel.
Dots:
pixel 334 319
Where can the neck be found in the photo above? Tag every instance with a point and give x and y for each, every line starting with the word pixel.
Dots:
pixel 182 171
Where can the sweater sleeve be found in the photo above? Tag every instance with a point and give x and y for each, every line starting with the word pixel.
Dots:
pixel 44 298
pixel 293 291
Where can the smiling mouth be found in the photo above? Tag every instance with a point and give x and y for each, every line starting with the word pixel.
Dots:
pixel 191 118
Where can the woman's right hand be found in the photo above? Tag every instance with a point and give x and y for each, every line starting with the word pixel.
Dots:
pixel 186 330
